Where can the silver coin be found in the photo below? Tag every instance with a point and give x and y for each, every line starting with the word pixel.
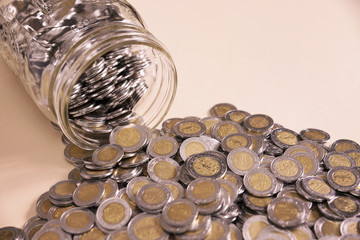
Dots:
pixel 107 155
pixel 242 160
pixel 338 159
pixel 315 135
pixel 284 138
pixel 317 187
pixel 55 212
pixel 206 165
pixel 75 154
pixel 192 146
pixel 113 213
pixel 189 128
pixel 43 204
pixel 219 110
pixel 54 231
pixel 163 147
pixel 237 116
pixel 134 186
pixel 89 193
pixel 345 205
pixel 350 226
pixel 152 197
pixel 31 228
pixel 309 163
pixel 343 179
pixel 287 212
pixel 130 137
pixel 254 224
pixel 324 227
pixel 203 190
pixel 163 169
pixel 258 123
pixel 77 220
pixel 286 169
pixel 343 145
pixel 260 182
pixel 236 140
pixel 223 128
pixel 146 221
pixel 74 175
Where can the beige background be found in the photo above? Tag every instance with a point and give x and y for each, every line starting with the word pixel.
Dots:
pixel 297 61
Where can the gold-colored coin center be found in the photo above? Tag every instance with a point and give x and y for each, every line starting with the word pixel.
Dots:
pixel 339 161
pixel 88 192
pixel 319 186
pixel 165 170
pixel 306 162
pixel 236 141
pixel 107 154
pixel 206 166
pixel 287 138
pixel 194 148
pixel 128 137
pixel 137 186
pixel 243 161
pixel 163 147
pixel 259 201
pixel 49 236
pixel 78 152
pixel 286 168
pixel 153 195
pixel 77 220
pixel 344 146
pixel 315 135
pixel 203 190
pixel 216 231
pixel 256 227
pixel 94 233
pixel 344 178
pixel 286 211
pixel 258 122
pixel 113 213
pixel 189 128
pixel 345 204
pixel 65 188
pixel 356 157
pixel 260 181
pixel 227 129
pixel 148 228
pixel 237 117
pixel 179 212
pixel 331 228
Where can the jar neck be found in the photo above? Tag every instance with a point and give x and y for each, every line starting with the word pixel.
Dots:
pixel 152 108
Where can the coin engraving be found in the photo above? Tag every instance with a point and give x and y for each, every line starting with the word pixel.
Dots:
pixel 344 178
pixel 260 181
pixel 287 168
pixel 319 186
pixel 206 166
pixel 127 137
pixel 77 220
pixel 113 213
pixel 179 212
pixel 243 161
pixel 163 147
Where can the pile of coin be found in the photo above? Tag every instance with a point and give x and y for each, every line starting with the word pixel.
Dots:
pixel 231 175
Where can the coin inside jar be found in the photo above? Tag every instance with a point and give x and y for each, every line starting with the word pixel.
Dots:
pixel 163 147
pixel 242 160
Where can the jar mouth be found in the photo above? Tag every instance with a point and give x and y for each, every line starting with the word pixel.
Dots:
pixel 126 78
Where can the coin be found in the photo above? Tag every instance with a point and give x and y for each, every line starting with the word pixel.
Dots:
pixel 258 204
pixel 63 190
pixel 43 204
pixel 235 232
pixel 315 135
pixel 77 220
pixel 287 212
pixel 89 193
pixel 168 125
pixel 343 145
pixel 229 187
pixel 298 148
pixel 315 147
pixel 345 205
pixel 260 182
pixel 134 186
pixel 284 138
pixel 32 227
pixel 176 188
pixel 163 169
pixel 146 227
pixel 314 215
pixel 343 179
pixel 300 189
pixel 219 110
pixel 236 180
pixel 163 147
pixel 203 190
pixel 309 163
pixel 219 229
pixel 258 123
pixel 236 140
pixel 189 128
pixel 205 165
pixel 118 234
pixel 317 187
pixel 286 169
pixel 54 233
pixel 130 137
pixel 350 237
pixel 134 161
pixel 337 159
pixel 107 155
pixel 93 233
pixel 209 122
pixel 192 146
pixel 224 128
pixel 237 116
pixel 350 226
pixel 253 226
pixel 152 197
pixel 89 174
pixel 113 213
pixel 242 160
pixel 75 154
pixel 326 227
pixel 272 232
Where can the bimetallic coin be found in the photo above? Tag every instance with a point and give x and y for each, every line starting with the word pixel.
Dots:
pixel 315 135
pixel 298 148
pixel 355 155
pixel 235 232
pixel 338 159
pixel 55 212
pixel 258 123
pixel 272 149
pixel 350 226
pixel 315 147
pixel 257 144
pixel 300 189
pixel 163 147
pixel 74 175
pixel 253 226
pixel 107 155
pixel 314 215
pixel 287 212
pixel 163 169
pixel 93 233
pixel 113 213
pixel 43 204
pixel 219 110
pixel 350 237
pixel 343 145
pixel 343 179
pixel 284 138
pixel 75 154
pixel 203 190
pixel 327 212
pixel 176 188
pixel 205 165
pixel 260 182
pixel 189 128
pixel 229 187
pixel 118 234
pixel 146 227
pixel 345 205
pixel 152 197
pixel 303 232
pixel 236 180
pixel 168 125
pixel 51 233
pixel 192 146
pixel 134 161
pixel 111 189
pixel 317 187
pixel 237 116
pixel 242 160
pixel 258 204
pixel 134 186
pixel 219 229
pixel 130 137
pixel 32 227
pixel 89 174
pixel 286 169
pixel 77 220
pixel 326 227
pixel 224 128
pixel 209 122
pixel 212 142
pixel 123 175
pixel 236 140
pixel 179 213
pixel 89 193
pixel 63 190
pixel 309 163
pixel 272 232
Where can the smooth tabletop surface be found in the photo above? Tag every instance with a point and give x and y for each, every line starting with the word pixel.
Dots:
pixel 296 61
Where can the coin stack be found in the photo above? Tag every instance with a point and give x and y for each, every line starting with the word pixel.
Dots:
pixel 231 175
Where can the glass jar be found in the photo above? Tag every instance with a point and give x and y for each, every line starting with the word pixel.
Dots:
pixel 89 65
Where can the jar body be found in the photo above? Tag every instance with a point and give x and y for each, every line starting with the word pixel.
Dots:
pixel 87 64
